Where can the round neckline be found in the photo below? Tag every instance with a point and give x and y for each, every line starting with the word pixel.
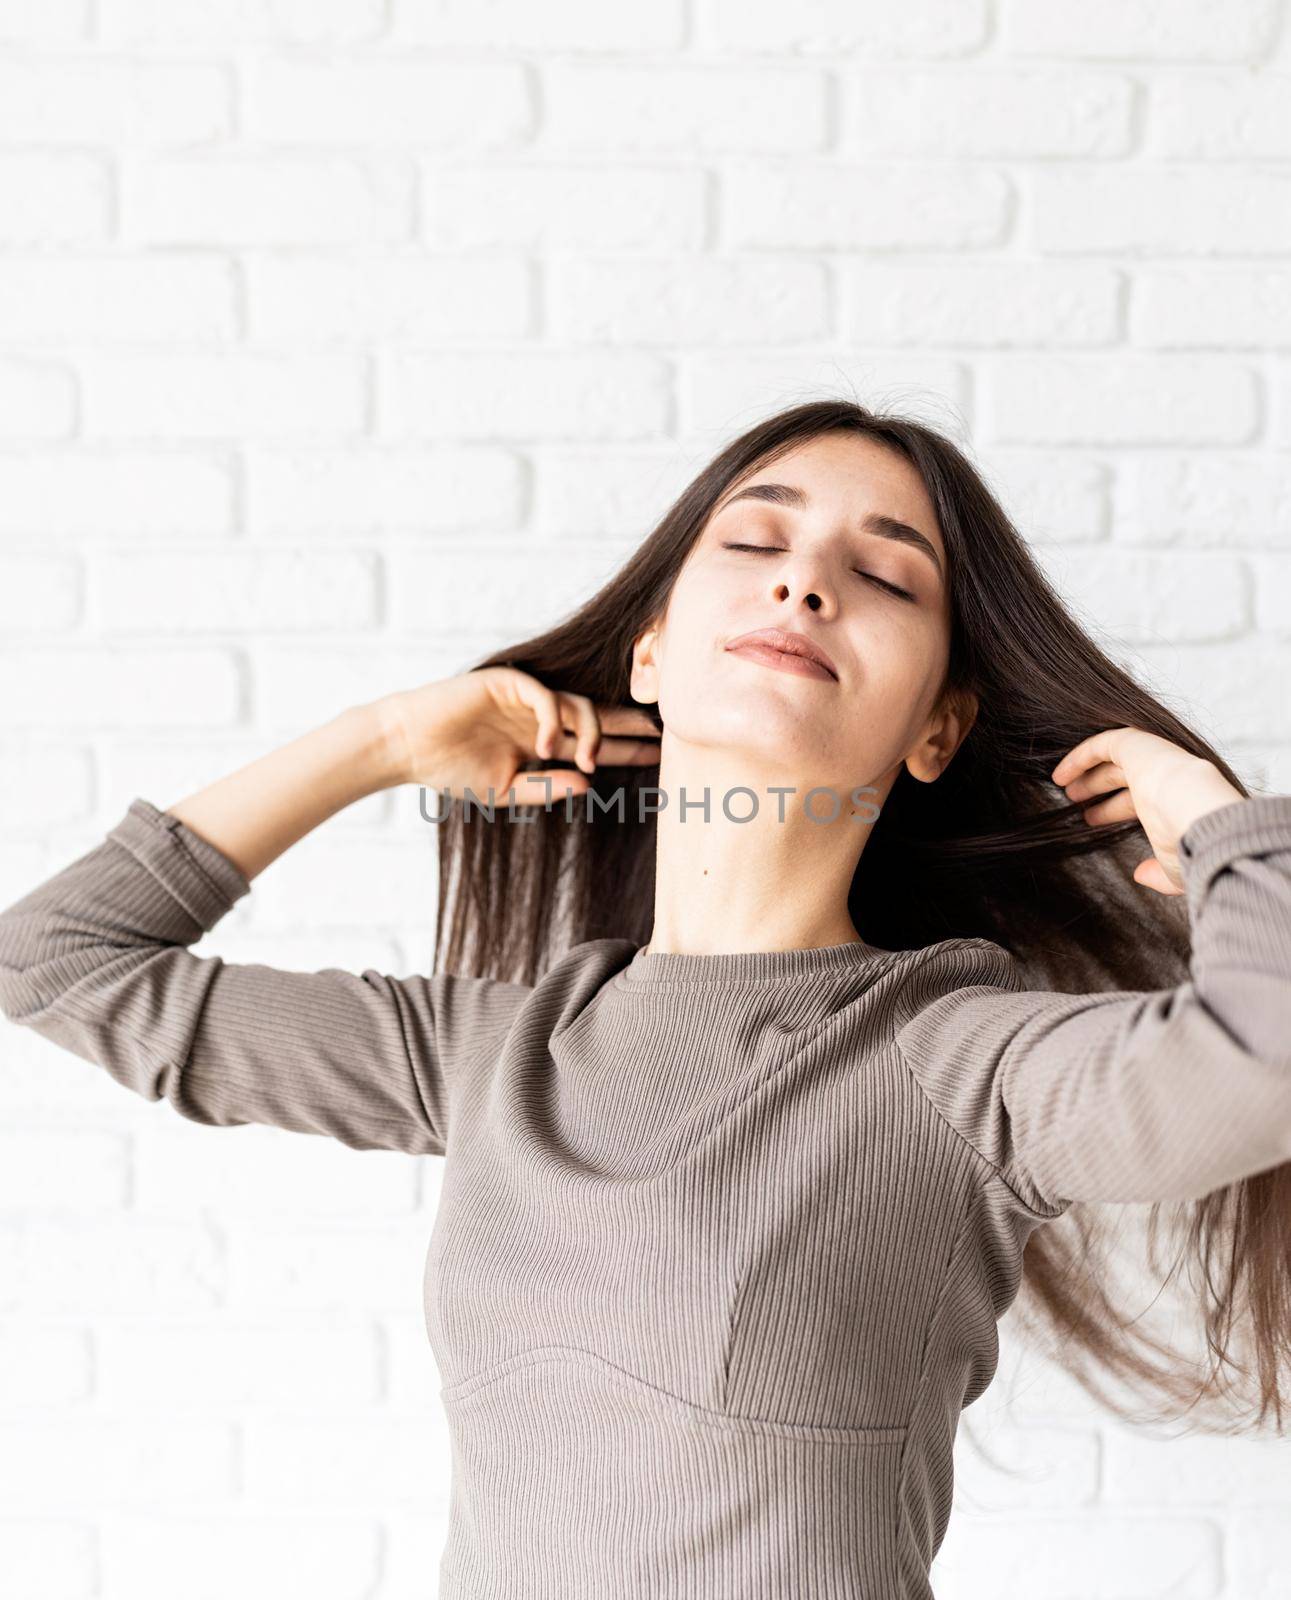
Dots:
pixel 651 968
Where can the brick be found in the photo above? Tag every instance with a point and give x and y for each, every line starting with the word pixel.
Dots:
pixel 1211 307
pixel 718 394
pixel 115 102
pixel 226 394
pixel 989 304
pixel 295 688
pixel 801 206
pixel 1259 1540
pixel 82 687
pixel 86 1265
pixel 905 112
pixel 688 302
pixel 1034 1467
pixel 1150 597
pixel 243 22
pixel 63 1170
pixel 834 28
pixel 568 208
pixel 43 1366
pixel 351 1462
pixel 284 1267
pixel 1229 690
pixel 522 587
pixel 98 299
pixel 280 1363
pixel 183 1168
pixel 1227 501
pixel 241 591
pixel 259 198
pixel 43 22
pixel 588 106
pixel 610 394
pixel 443 105
pixel 46 781
pixel 37 400
pixel 61 198
pixel 406 299
pixel 50 1555
pixel 1058 495
pixel 92 1463
pixel 262 1550
pixel 87 492
pixel 557 25
pixel 1194 1470
pixel 1160 210
pixel 616 495
pixel 1144 30
pixel 1220 116
pixel 1203 400
pixel 375 488
pixel 38 593
pixel 993 1557
pixel 1272 587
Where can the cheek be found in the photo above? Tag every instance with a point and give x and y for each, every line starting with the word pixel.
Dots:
pixel 904 662
pixel 697 617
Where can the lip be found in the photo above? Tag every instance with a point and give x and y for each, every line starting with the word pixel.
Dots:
pixel 767 644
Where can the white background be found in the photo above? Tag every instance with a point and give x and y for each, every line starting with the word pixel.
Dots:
pixel 341 340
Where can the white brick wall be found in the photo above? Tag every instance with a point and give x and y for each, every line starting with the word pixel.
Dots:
pixel 342 339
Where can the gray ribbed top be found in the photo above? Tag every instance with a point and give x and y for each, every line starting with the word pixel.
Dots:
pixel 723 1239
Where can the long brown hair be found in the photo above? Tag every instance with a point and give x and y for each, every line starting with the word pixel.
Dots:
pixel 992 849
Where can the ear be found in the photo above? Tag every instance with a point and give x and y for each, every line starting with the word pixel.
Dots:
pixel 946 731
pixel 644 680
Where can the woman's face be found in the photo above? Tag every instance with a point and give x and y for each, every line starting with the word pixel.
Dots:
pixel 811 557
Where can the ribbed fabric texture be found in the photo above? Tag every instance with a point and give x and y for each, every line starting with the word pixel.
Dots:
pixel 723 1240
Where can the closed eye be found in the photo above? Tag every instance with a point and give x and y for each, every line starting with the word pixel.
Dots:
pixel 891 588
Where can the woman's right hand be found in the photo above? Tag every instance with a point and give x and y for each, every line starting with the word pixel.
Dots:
pixel 473 731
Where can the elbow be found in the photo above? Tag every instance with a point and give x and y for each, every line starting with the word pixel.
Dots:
pixel 1256 1016
pixel 24 943
pixel 18 987
pixel 23 997
pixel 39 962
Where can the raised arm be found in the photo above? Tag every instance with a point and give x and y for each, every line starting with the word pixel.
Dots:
pixel 1134 1096
pixel 96 958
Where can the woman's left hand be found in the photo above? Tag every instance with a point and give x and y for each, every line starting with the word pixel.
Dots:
pixel 1162 786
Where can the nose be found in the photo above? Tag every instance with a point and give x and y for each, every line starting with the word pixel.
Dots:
pixel 803 580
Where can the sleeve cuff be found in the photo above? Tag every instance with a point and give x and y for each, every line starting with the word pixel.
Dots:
pixel 1255 825
pixel 203 879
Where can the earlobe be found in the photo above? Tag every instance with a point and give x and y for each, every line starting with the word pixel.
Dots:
pixel 924 772
pixel 642 673
pixel 953 727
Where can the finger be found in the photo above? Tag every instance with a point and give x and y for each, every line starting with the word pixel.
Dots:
pixel 1098 780
pixel 610 752
pixel 1116 808
pixel 587 728
pixel 1104 746
pixel 530 789
pixel 1152 875
pixel 627 719
pixel 545 705
pixel 628 753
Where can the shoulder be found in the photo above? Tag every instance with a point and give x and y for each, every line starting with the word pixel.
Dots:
pixel 571 981
pixel 960 1004
pixel 937 971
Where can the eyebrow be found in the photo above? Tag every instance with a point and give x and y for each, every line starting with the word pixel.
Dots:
pixel 787 494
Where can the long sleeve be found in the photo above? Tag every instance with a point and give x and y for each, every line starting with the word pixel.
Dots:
pixel 96 959
pixel 1130 1096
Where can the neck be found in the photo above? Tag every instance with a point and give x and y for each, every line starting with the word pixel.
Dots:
pixel 776 881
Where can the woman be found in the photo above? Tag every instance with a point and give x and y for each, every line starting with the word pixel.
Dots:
pixel 728 1218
